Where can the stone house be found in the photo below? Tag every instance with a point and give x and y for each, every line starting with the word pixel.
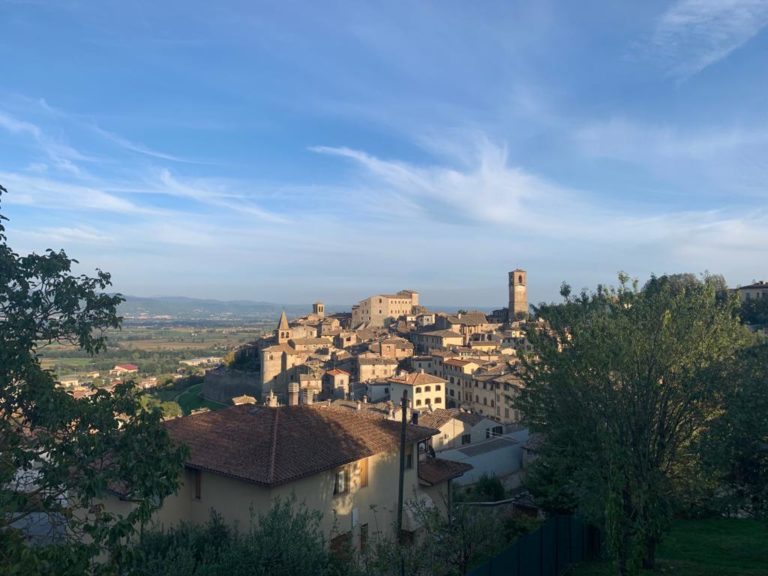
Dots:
pixel 341 462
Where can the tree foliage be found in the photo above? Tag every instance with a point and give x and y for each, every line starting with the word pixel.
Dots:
pixel 285 540
pixel 735 448
pixel 622 385
pixel 59 457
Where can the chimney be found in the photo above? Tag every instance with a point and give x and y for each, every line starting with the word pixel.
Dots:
pixel 365 399
pixel 359 405
pixel 272 400
pixel 307 396
pixel 293 394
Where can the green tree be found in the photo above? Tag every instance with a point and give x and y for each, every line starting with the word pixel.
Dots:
pixel 735 448
pixel 286 540
pixel 621 386
pixel 755 311
pixel 60 456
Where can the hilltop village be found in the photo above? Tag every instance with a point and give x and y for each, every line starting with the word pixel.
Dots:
pixel 313 410
pixel 386 344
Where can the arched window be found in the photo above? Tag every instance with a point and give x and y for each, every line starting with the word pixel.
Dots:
pixel 519 278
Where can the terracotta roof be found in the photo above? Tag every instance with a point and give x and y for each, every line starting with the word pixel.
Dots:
pixel 756 286
pixel 437 417
pixel 337 372
pixel 281 348
pixel 376 360
pixel 416 379
pixel 126 366
pixel 459 363
pixel 443 334
pixel 274 446
pixel 435 470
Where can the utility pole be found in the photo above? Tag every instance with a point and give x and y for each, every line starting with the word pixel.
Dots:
pixel 404 423
pixel 403 427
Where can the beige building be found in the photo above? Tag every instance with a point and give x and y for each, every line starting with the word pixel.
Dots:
pixel 336 383
pixel 375 368
pixel 458 428
pixel 397 348
pixel 381 309
pixel 753 291
pixel 424 390
pixel 339 462
pixel 436 339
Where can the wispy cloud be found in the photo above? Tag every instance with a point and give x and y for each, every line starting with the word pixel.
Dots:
pixel 488 190
pixel 47 193
pixel 694 34
pixel 137 147
pixel 59 154
pixel 212 194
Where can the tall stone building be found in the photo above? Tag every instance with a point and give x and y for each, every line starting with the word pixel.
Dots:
pixel 518 294
pixel 377 311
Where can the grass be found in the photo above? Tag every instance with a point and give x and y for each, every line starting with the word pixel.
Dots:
pixel 712 547
pixel 191 399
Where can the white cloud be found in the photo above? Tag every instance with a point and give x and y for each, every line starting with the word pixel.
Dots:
pixel 211 193
pixel 488 190
pixel 694 34
pixel 47 193
pixel 60 155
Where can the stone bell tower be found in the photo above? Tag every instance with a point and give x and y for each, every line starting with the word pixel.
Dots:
pixel 518 294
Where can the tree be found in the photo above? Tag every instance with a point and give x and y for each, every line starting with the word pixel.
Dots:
pixel 621 386
pixel 735 448
pixel 286 540
pixel 59 457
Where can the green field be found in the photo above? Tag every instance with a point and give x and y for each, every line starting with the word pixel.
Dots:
pixel 157 350
pixel 713 547
pixel 191 399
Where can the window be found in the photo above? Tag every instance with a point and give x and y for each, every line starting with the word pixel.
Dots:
pixel 466 438
pixel 363 537
pixel 477 398
pixel 450 392
pixel 340 484
pixel 485 401
pixel 506 412
pixel 198 484
pixel 418 402
pixel 340 545
pixel 438 400
pixel 427 388
pixel 418 389
pixel 363 472
pixel 437 388
pixel 492 404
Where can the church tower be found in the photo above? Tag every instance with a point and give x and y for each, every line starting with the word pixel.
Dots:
pixel 518 294
pixel 283 330
pixel 318 309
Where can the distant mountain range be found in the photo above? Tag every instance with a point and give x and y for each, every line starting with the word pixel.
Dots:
pixel 182 308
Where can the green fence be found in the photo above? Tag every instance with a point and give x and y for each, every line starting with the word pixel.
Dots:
pixel 548 551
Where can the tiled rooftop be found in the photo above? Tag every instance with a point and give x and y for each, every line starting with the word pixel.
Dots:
pixel 274 446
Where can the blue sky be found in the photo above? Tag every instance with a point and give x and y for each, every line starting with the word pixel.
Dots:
pixel 293 151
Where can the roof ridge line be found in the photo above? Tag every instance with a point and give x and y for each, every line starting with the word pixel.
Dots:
pixel 273 456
